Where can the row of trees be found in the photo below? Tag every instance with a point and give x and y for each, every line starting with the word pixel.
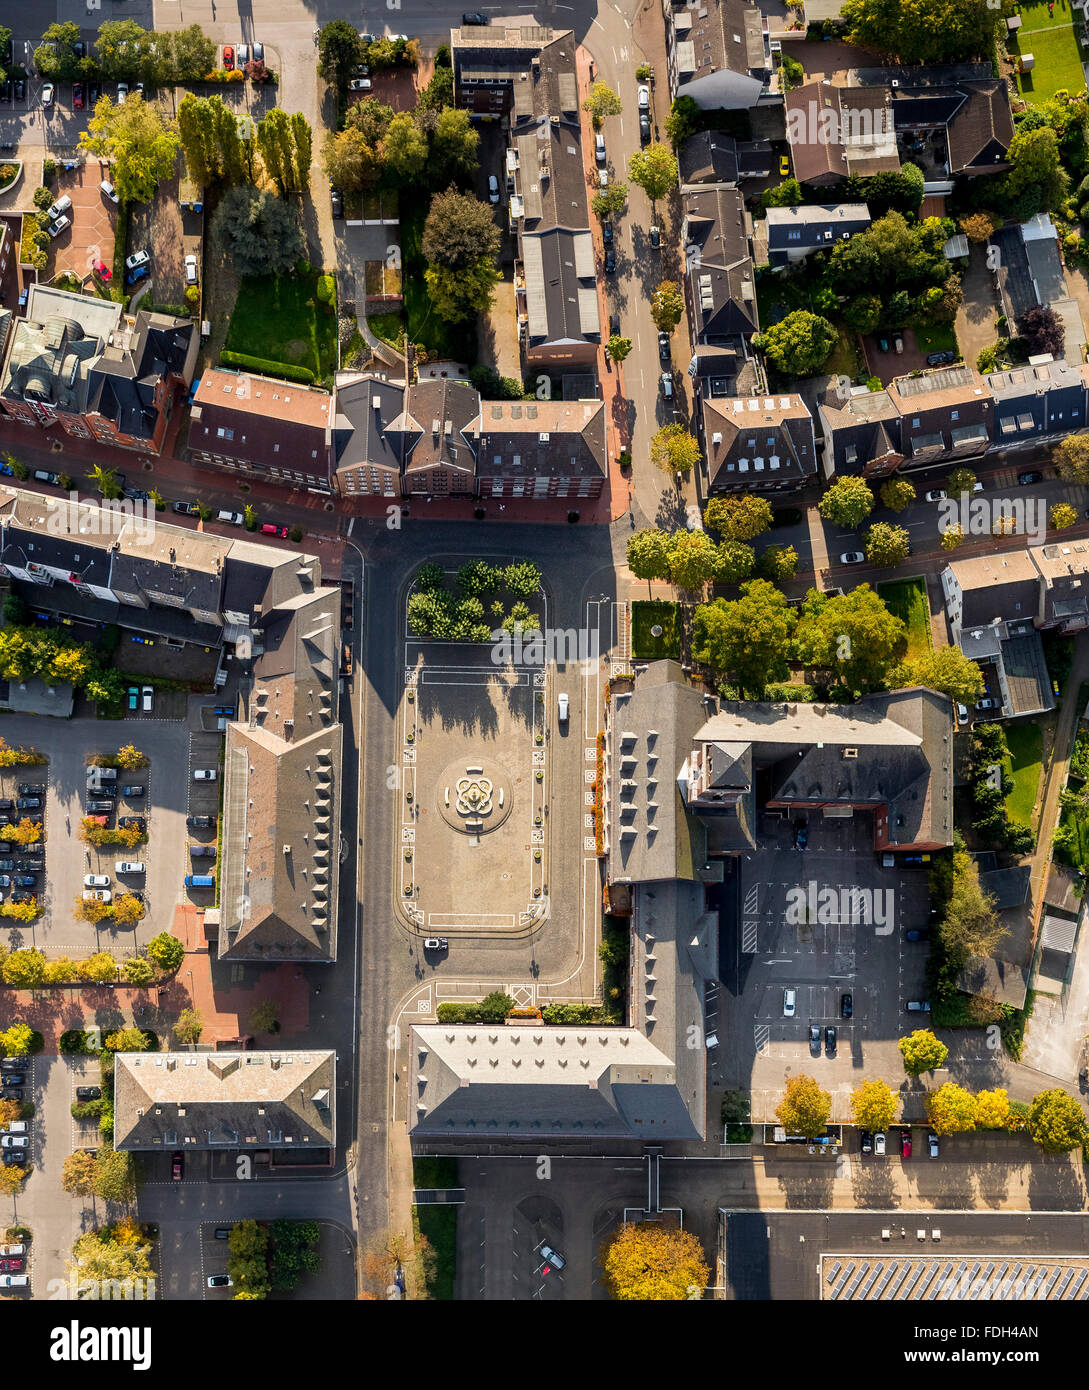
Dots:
pixel 692 559
pixel 219 148
pixel 28 968
pixel 124 51
pixel 991 784
pixel 432 146
pixel 33 651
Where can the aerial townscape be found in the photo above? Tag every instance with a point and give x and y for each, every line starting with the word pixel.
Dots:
pixel 544 659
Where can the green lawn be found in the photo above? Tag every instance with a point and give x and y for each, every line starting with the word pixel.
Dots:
pixel 1026 744
pixel 1052 41
pixel 936 337
pixel 282 321
pixel 907 600
pixel 456 342
pixel 645 613
pixel 438 1223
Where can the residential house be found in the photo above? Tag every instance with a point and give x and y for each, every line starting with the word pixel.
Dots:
pixel 435 434
pixel 368 450
pixel 719 54
pixel 719 280
pixel 712 156
pixel 234 1101
pixel 945 416
pixel 839 132
pixel 264 428
pixel 1037 402
pixel 1030 275
pixel 861 431
pixel 758 444
pixel 554 449
pixel 76 361
pixel 789 235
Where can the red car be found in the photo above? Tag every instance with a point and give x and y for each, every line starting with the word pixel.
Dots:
pixel 269 530
pixel 77 96
pixel 228 57
pixel 11 1266
pixel 905 1143
pixel 177 1163
pixel 101 268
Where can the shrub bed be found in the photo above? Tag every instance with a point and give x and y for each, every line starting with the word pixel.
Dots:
pixel 283 370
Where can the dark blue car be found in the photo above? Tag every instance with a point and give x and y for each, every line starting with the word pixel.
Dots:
pixel 140 273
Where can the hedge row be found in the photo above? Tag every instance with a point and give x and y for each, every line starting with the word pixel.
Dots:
pixel 261 364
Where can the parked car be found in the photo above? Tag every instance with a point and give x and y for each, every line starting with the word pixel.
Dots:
pixel 937 494
pixel 49 93
pixel 258 52
pixel 14 1141
pixel 553 1257
pixel 128 866
pixel 242 54
pixel 94 91
pixel 102 270
pixel 191 276
pixel 655 235
pixel 202 851
pixel 228 57
pixel 147 697
pixel 607 234
pixel 108 191
pixel 177 1166
pixel 10 1251
pixel 918 1006
pixel 122 93
pixel 562 707
pixel 830 1041
pixel 918 934
pixel 99 895
pixel 200 822
pixel 866 1141
pixel 644 98
pixel 436 943
pixel 801 834
pixel 962 714
pixel 26 880
pixel 136 259
pixel 610 261
pixel 223 1233
pixel 905 1143
pixel 60 225
pixel 20 89
pixel 96 805
pixel 363 84
pixel 846 1006
pixel 988 703
pixel 7 864
pixel 644 128
pixel 268 529
pixel 667 386
pixel 14 1078
pixel 932 1144
pixel 84 1093
pixel 132 823
pixel 852 557
pixel 135 276
pixel 14 1281
pixel 185 508
pixel 790 1002
pixel 879 1144
pixel 814 1040
pixel 11 1266
pixel 133 791
pixel 472 17
pixel 1027 479
pixel 77 96
pixel 220 1281
pixel 898 343
pixel 663 347
pixel 28 803
pixel 204 774
pixel 784 166
pixel 337 202
pixel 941 359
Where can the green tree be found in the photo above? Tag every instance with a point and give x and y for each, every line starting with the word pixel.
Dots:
pixel 848 502
pixel 78 1174
pixel 734 562
pixel 804 1108
pixel 693 558
pixel 196 131
pixel 122 47
pixel 339 51
pixel 24 968
pixel 947 670
pixel 139 144
pixel 1056 1122
pixel 674 450
pixel 602 101
pixel 262 234
pixel 302 138
pixel 897 494
pixel 683 120
pixel 951 1109
pixel 747 639
pixel 459 232
pixel 495 1007
pixel 609 202
pixel 922 1051
pixel 276 147
pixel 1034 157
pixel 189 1027
pixel 16 1040
pixel 646 1263
pixel 55 57
pixel 992 1110
pixel 351 163
pixel 787 194
pixel 654 169
pixel 404 152
pixel 960 480
pixel 105 479
pixel 454 146
pixel 648 554
pixel 457 295
pixel 928 31
pixel 853 636
pixel 166 951
pixel 439 92
pixel 778 563
pixel 1072 459
pixel 101 968
pixel 619 347
pixel 863 313
pixel 115 1176
pixel 138 970
pixel 874 1105
pixel 885 544
pixel 798 344
pixel 667 306
pixel 265 1017
pixel 970 927
pixel 191 52
pixel 738 517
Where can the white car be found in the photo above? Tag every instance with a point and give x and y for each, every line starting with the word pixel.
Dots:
pixel 359 84
pixel 148 696
pixel 101 895
pixel 790 1002
pixel 96 880
pixel 16 1127
pixel 932 1144
pixel 879 1144
pixel 989 703
pixel 49 92
pixel 122 92
pixel 493 189
pixel 127 866
pixel 563 708
pixel 14 1281
pixel 962 714
pixel 937 494
pixel 852 557
pixel 644 98
pixel 191 270
pixel 14 1141
pixel 61 224
pixel 204 774
pixel 109 191
pixel 11 1252
pixel 138 258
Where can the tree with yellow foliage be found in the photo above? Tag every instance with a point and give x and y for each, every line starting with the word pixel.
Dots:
pixel 992 1110
pixel 130 757
pixel 90 910
pixel 127 909
pixel 650 1263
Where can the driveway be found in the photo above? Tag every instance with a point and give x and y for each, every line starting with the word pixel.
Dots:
pixel 90 237
pixel 976 316
pixel 170 235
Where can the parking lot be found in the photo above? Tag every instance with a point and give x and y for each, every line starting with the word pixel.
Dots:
pixel 170 235
pixel 828 924
pixel 89 240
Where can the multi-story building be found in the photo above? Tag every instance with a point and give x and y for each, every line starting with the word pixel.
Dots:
pixel 368 449
pixel 81 363
pixel 758 443
pixel 264 428
pixel 789 235
pixel 720 55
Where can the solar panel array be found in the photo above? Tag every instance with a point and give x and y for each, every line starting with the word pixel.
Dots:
pixel 952 1278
